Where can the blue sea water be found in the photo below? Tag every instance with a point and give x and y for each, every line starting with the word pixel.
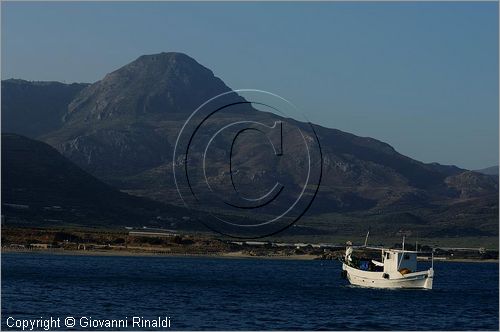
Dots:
pixel 242 294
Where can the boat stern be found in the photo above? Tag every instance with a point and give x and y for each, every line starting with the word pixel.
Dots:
pixel 430 278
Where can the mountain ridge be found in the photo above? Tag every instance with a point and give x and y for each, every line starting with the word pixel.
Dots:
pixel 122 129
pixel 492 170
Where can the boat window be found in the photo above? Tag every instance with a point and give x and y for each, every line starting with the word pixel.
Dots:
pixel 388 255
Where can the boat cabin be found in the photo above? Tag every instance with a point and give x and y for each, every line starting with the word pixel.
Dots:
pixel 391 260
pixel 397 260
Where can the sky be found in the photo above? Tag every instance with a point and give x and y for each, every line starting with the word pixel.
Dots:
pixel 422 77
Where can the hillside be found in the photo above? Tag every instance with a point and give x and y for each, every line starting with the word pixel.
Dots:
pixel 41 187
pixel 35 108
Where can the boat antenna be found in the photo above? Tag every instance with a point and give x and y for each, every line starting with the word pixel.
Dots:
pixel 366 238
pixel 416 243
pixel 432 259
pixel 402 252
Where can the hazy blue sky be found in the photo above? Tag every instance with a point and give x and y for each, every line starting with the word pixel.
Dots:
pixel 422 77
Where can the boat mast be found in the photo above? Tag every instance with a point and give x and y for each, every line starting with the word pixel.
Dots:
pixel 402 252
pixel 432 259
pixel 366 238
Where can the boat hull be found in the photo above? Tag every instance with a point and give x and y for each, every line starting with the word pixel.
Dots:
pixel 416 280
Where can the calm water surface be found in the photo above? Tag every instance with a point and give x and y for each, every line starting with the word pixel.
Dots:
pixel 249 294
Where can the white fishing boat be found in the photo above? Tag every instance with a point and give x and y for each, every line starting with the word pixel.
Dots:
pixel 397 268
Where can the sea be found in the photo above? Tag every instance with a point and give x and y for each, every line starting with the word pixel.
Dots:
pixel 199 293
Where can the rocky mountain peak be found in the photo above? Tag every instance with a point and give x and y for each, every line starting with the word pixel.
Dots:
pixel 152 84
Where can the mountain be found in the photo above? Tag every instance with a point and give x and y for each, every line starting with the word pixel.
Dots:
pixel 493 170
pixel 127 122
pixel 41 187
pixel 41 112
pixel 123 128
pixel 153 84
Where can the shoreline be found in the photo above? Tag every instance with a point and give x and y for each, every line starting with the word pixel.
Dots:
pixel 227 255
pixel 127 253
